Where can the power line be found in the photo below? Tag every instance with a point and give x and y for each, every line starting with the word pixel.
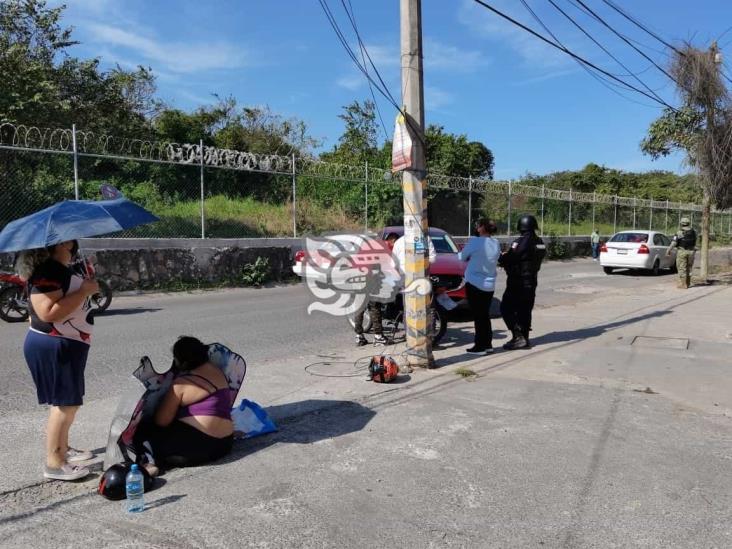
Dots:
pixel 637 42
pixel 603 48
pixel 597 77
pixel 640 25
pixel 567 51
pixel 342 39
pixel 383 91
pixel 601 20
pixel 364 52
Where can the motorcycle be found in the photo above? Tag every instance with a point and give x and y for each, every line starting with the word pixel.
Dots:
pixel 392 314
pixel 14 296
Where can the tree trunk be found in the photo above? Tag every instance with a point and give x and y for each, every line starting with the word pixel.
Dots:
pixel 706 214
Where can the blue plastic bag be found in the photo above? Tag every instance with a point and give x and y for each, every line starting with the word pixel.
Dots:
pixel 250 420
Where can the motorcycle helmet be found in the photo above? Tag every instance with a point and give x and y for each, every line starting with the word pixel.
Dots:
pixel 113 481
pixel 383 369
pixel 527 223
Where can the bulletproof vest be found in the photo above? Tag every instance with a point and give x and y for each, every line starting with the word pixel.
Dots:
pixel 686 239
pixel 529 262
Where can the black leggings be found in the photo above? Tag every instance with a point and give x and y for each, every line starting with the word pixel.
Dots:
pixel 180 445
pixel 480 305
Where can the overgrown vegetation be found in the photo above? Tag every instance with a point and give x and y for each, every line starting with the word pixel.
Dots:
pixel 45 85
pixel 257 273
pixel 555 247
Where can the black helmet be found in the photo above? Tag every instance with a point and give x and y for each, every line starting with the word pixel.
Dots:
pixel 527 223
pixel 113 481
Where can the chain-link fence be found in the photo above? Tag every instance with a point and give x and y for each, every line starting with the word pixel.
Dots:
pixel 199 191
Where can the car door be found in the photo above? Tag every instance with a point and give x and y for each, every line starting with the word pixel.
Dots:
pixel 670 258
pixel 659 250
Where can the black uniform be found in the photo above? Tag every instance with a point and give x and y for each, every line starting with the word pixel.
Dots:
pixel 522 263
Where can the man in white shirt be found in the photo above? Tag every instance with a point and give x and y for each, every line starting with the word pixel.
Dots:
pixel 399 253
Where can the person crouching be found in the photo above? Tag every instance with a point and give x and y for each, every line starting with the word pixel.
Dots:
pixel 192 424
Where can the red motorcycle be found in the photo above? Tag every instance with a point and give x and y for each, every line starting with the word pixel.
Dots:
pixel 14 296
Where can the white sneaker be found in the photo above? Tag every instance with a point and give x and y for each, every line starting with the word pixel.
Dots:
pixel 77 456
pixel 65 472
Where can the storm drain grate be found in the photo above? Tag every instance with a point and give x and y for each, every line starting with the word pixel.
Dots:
pixel 678 343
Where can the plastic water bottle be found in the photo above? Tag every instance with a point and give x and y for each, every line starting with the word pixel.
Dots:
pixel 135 488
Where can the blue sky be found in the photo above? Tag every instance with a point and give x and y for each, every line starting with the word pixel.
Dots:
pixel 535 108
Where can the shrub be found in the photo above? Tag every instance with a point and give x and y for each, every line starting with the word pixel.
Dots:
pixel 555 248
pixel 257 273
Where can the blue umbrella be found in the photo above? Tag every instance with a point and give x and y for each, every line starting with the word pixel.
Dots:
pixel 70 220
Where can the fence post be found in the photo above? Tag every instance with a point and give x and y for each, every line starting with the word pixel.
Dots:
pixel 666 226
pixel 650 220
pixel 635 202
pixel 76 161
pixel 294 198
pixel 366 215
pixel 203 195
pixel 542 209
pixel 470 205
pixel 615 214
pixel 569 224
pixel 594 201
pixel 508 225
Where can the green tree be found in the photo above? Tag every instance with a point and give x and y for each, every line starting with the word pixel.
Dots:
pixel 701 128
pixel 453 154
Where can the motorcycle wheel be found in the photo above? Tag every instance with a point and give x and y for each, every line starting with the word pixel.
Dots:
pixel 439 324
pixel 13 307
pixel 366 322
pixel 103 299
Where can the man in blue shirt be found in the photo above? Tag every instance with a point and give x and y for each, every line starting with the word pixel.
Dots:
pixel 482 253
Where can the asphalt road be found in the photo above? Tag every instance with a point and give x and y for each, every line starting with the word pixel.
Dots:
pixel 265 325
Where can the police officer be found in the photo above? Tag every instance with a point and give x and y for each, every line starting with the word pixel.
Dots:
pixel 522 262
pixel 685 243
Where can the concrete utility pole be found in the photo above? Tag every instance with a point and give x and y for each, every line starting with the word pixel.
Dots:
pixel 414 184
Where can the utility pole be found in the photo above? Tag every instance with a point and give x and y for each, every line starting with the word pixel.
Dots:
pixel 414 185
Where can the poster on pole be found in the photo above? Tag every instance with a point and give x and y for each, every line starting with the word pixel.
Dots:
pixel 402 150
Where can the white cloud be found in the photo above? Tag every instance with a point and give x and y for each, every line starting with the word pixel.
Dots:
pixel 532 51
pixel 438 57
pixel 351 81
pixel 177 57
pixel 435 98
pixel 444 57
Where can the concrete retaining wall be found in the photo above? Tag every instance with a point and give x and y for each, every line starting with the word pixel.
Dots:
pixel 130 264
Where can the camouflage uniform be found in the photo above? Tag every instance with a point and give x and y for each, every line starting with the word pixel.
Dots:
pixel 685 243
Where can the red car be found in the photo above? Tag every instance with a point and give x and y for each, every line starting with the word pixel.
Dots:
pixel 447 268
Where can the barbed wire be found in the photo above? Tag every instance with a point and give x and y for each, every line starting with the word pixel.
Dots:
pixel 89 143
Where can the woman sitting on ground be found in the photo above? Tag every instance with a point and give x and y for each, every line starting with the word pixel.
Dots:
pixel 192 424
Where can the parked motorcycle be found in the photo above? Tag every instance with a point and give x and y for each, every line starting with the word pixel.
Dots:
pixel 14 296
pixel 392 314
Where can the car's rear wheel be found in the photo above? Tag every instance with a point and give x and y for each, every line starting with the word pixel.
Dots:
pixel 608 270
pixel 656 269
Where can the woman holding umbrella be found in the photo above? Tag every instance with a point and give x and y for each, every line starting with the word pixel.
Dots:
pixel 56 348
pixel 57 343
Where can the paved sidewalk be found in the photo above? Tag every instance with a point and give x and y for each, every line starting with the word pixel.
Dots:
pixel 614 431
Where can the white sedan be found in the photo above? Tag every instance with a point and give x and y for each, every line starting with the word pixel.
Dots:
pixel 644 250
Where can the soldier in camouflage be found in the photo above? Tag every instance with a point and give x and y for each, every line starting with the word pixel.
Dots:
pixel 685 243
